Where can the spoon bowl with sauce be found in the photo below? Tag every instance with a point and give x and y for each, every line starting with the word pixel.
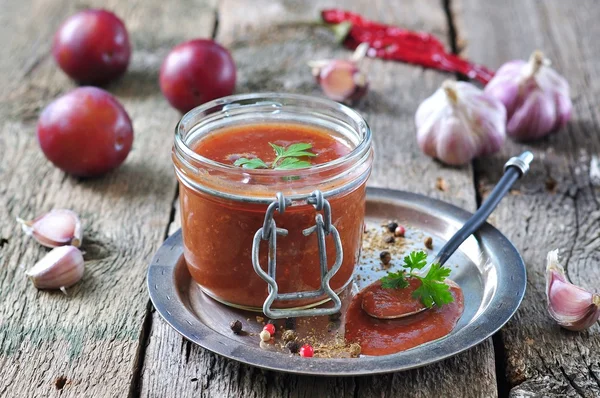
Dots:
pixel 382 303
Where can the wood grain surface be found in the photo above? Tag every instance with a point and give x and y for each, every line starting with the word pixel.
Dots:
pixel 557 207
pixel 87 343
pixel 104 340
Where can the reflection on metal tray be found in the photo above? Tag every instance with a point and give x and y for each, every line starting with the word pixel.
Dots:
pixel 487 267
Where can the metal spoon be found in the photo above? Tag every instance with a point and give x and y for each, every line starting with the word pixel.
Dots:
pixel 514 169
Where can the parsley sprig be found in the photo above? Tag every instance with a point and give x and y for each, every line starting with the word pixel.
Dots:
pixel 394 280
pixel 432 291
pixel 286 158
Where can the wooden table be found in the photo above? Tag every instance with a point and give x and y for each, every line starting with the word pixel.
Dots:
pixel 104 339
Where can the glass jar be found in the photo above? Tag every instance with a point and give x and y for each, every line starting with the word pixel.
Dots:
pixel 225 225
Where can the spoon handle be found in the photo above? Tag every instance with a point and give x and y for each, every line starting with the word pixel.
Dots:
pixel 514 169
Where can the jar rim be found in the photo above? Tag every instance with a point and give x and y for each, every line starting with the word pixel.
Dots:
pixel 358 151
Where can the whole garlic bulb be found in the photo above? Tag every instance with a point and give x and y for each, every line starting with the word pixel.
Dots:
pixel 536 97
pixel 460 122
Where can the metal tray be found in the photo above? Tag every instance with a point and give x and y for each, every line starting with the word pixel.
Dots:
pixel 487 267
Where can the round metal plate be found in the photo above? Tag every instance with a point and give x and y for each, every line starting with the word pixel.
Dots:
pixel 487 267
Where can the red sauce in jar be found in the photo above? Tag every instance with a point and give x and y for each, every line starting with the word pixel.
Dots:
pixel 389 336
pixel 218 233
pixel 252 141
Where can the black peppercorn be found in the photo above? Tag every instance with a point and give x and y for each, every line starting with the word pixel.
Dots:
pixel 293 346
pixel 389 239
pixel 290 323
pixel 392 226
pixel 429 243
pixel 236 326
pixel 385 257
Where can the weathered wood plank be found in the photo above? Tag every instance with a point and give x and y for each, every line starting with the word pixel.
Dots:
pixel 85 343
pixel 558 205
pixel 273 58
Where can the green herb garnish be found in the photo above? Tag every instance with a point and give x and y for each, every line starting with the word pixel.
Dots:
pixel 415 260
pixel 286 158
pixel 394 280
pixel 251 163
pixel 433 290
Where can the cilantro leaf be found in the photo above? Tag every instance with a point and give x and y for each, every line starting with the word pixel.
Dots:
pixel 433 290
pixel 301 146
pixel 292 163
pixel 285 158
pixel 298 150
pixel 290 156
pixel 299 154
pixel 415 260
pixel 438 273
pixel 279 150
pixel 251 163
pixel 394 280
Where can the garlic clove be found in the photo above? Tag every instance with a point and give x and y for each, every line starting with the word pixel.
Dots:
pixel 342 80
pixel 317 65
pixel 58 269
pixel 58 227
pixel 503 86
pixel 453 146
pixel 571 306
pixel 565 108
pixel 534 117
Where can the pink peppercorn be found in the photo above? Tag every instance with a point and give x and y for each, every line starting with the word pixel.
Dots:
pixel 269 327
pixel 306 351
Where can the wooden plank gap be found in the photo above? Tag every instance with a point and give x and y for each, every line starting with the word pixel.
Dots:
pixel 174 207
pixel 356 389
pixel 215 29
pixel 452 33
pixel 500 360
pixel 477 183
pixel 136 377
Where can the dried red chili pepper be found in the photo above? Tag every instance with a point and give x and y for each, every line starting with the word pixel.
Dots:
pixel 394 43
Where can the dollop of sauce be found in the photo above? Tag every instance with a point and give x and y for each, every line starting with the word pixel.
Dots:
pixel 389 303
pixel 389 336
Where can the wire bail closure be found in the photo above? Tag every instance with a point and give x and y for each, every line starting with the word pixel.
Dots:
pixel 323 227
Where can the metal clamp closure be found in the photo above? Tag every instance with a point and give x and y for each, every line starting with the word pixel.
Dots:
pixel 323 227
